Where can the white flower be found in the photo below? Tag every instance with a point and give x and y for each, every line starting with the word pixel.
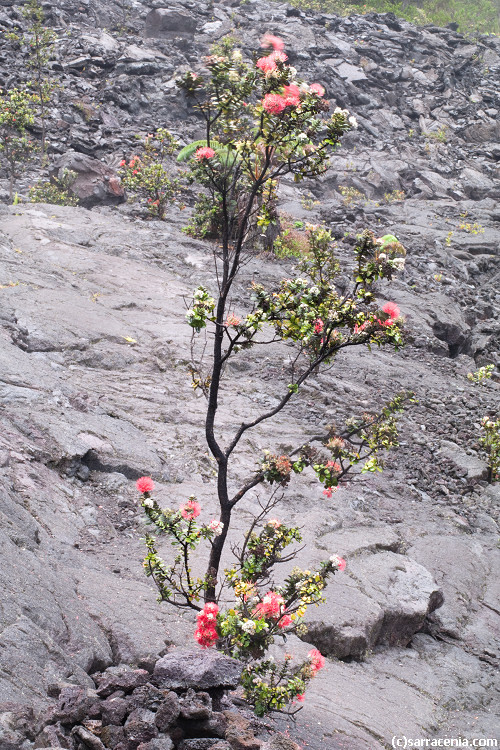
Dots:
pixel 248 626
pixel 216 526
pixel 352 121
pixel 148 502
pixel 399 263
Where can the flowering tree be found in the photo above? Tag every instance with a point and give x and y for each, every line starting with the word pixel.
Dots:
pixel 261 123
pixel 41 42
pixel 16 115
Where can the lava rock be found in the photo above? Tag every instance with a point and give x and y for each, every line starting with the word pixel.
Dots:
pixel 96 184
pixel 168 712
pixel 185 669
pixel 196 706
pixel 120 678
pixel 140 726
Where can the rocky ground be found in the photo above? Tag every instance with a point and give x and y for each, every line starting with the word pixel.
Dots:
pixel 95 390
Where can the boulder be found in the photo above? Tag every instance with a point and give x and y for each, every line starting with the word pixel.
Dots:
pixel 200 670
pixel 164 22
pixel 96 184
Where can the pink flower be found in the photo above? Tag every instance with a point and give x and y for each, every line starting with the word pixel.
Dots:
pixel 333 465
pixel 301 697
pixel 233 320
pixel 274 103
pixel 145 484
pixel 318 326
pixel 274 523
pixel 392 310
pixel 269 40
pixel 338 561
pixel 328 492
pixel 266 64
pixel 292 95
pixel 204 153
pixel 317 660
pixel 122 163
pixel 190 510
pixel 279 56
pixel 317 88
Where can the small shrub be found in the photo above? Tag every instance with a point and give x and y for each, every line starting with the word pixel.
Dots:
pixel 440 135
pixel 351 196
pixel 146 176
pixel 482 375
pixel 292 241
pixel 490 443
pixel 16 116
pixel 56 191
pixel 394 196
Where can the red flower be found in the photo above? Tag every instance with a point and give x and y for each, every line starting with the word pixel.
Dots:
pixel 285 622
pixel 206 633
pixel 317 660
pixel 301 697
pixel 204 153
pixel 318 326
pixel 274 103
pixel 190 510
pixel 145 484
pixel 317 88
pixel 266 64
pixel 122 163
pixel 272 605
pixel 269 40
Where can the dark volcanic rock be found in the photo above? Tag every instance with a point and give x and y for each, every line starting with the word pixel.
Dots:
pixel 120 678
pixel 200 670
pixel 95 184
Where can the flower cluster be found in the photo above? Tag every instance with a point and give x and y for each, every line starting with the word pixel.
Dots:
pixel 276 469
pixel 270 63
pixel 190 510
pixel 273 607
pixel 317 661
pixel 205 152
pixel 206 632
pixel 145 484
pixel 338 562
pixel 216 526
